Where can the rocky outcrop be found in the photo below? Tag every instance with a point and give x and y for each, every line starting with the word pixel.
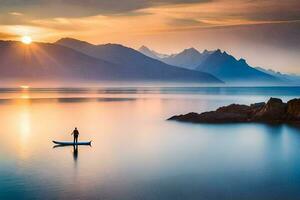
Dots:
pixel 293 109
pixel 274 111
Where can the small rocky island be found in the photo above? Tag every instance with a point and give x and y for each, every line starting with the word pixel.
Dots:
pixel 274 111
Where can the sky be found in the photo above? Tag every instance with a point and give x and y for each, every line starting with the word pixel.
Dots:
pixel 264 32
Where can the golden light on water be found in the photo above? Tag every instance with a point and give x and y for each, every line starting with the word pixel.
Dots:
pixel 22 121
pixel 24 86
pixel 24 92
pixel 26 39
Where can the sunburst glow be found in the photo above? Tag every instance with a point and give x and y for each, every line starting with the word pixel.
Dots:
pixel 26 39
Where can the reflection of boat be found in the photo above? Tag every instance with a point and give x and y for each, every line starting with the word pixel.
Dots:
pixel 71 143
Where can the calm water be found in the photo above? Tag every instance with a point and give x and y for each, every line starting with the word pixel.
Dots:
pixel 136 153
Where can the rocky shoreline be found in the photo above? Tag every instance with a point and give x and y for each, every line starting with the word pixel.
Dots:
pixel 274 111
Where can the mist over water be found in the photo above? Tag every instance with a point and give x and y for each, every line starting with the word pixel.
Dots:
pixel 136 153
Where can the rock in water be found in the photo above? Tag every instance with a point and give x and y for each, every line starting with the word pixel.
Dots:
pixel 274 111
pixel 293 109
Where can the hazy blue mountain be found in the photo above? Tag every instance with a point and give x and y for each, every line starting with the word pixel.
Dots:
pixel 150 53
pixel 136 64
pixel 229 69
pixel 188 58
pixel 221 65
pixel 285 77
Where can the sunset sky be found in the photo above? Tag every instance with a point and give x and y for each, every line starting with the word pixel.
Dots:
pixel 264 32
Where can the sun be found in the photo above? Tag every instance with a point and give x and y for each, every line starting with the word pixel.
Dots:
pixel 26 39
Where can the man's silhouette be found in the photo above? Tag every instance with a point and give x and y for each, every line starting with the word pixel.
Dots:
pixel 75 133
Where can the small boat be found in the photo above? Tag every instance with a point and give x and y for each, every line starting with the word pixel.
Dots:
pixel 71 143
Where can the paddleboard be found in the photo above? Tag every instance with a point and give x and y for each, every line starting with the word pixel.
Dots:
pixel 71 143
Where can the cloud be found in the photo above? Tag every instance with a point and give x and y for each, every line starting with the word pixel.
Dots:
pixel 79 8
pixel 7 36
pixel 186 22
pixel 269 10
pixel 173 12
pixel 14 18
pixel 16 13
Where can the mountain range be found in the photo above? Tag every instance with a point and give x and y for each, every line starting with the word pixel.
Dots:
pixel 73 60
pixel 152 54
pixel 188 58
pixel 70 59
pixel 218 63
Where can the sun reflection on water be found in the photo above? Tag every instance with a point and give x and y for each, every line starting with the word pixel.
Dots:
pixel 23 121
pixel 24 124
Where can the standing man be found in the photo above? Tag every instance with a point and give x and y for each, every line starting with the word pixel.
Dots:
pixel 75 133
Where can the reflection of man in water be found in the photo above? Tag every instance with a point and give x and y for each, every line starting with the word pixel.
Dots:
pixel 75 152
pixel 75 133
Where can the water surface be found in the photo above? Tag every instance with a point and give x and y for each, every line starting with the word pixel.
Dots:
pixel 136 153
